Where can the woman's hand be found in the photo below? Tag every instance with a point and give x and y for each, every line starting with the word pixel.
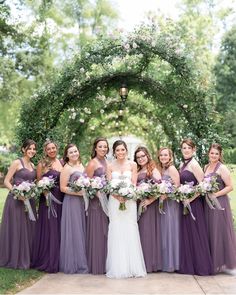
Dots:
pixel 163 197
pixel 146 202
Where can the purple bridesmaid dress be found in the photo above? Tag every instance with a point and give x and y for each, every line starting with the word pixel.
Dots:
pixel 73 233
pixel 170 233
pixel 97 230
pixel 17 231
pixel 195 258
pixel 221 231
pixel 48 229
pixel 150 233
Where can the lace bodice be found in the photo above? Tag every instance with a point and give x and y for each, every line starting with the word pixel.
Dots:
pixel 121 175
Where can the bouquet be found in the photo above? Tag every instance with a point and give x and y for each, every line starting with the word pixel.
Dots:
pixel 144 191
pixel 184 192
pixel 44 186
pixel 81 183
pixel 123 188
pixel 25 190
pixel 166 187
pixel 208 186
pixel 96 184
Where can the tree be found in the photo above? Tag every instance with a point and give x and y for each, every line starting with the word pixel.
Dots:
pixel 225 72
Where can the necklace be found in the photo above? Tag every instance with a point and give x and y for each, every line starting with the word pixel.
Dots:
pixel 73 165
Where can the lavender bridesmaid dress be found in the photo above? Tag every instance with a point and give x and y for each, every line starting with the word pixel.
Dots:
pixel 221 231
pixel 17 231
pixel 73 233
pixel 150 233
pixel 97 230
pixel 48 228
pixel 170 233
pixel 195 258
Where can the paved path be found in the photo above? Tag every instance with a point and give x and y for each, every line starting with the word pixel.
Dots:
pixel 158 283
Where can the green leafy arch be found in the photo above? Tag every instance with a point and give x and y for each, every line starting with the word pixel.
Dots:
pixel 165 89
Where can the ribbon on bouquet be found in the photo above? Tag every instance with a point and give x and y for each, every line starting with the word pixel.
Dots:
pixel 86 201
pixel 187 206
pixel 50 198
pixel 29 209
pixel 213 203
pixel 161 206
pixel 103 201
pixel 141 209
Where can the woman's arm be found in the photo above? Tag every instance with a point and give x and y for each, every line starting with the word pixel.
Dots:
pixel 174 174
pixel 11 171
pixel 156 174
pixel 90 168
pixel 64 179
pixel 225 175
pixel 39 170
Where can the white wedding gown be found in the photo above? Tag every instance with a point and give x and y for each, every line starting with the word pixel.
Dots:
pixel 124 256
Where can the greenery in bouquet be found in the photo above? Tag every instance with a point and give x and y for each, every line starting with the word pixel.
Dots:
pixel 123 188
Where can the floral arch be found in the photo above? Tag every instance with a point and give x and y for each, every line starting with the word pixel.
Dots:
pixel 166 102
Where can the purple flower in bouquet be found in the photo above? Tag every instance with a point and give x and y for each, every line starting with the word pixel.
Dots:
pixel 184 192
pixel 80 183
pixel 208 185
pixel 96 184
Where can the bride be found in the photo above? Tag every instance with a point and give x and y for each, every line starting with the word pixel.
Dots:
pixel 124 257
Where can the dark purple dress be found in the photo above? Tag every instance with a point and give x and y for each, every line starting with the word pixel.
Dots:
pixel 150 233
pixel 97 230
pixel 73 233
pixel 48 229
pixel 195 258
pixel 17 231
pixel 221 231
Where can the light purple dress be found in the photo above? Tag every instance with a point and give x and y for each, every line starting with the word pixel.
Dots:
pixel 170 233
pixel 17 231
pixel 221 232
pixel 73 233
pixel 97 231
pixel 150 233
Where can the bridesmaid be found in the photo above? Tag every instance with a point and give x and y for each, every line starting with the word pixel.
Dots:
pixel 170 220
pixel 221 232
pixel 195 258
pixel 73 224
pixel 17 231
pixel 97 221
pixel 149 222
pixel 48 227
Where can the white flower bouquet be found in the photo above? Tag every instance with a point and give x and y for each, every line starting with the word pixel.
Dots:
pixel 25 191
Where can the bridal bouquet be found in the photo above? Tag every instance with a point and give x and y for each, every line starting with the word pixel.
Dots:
pixel 165 187
pixel 123 188
pixel 184 192
pixel 26 191
pixel 44 186
pixel 207 187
